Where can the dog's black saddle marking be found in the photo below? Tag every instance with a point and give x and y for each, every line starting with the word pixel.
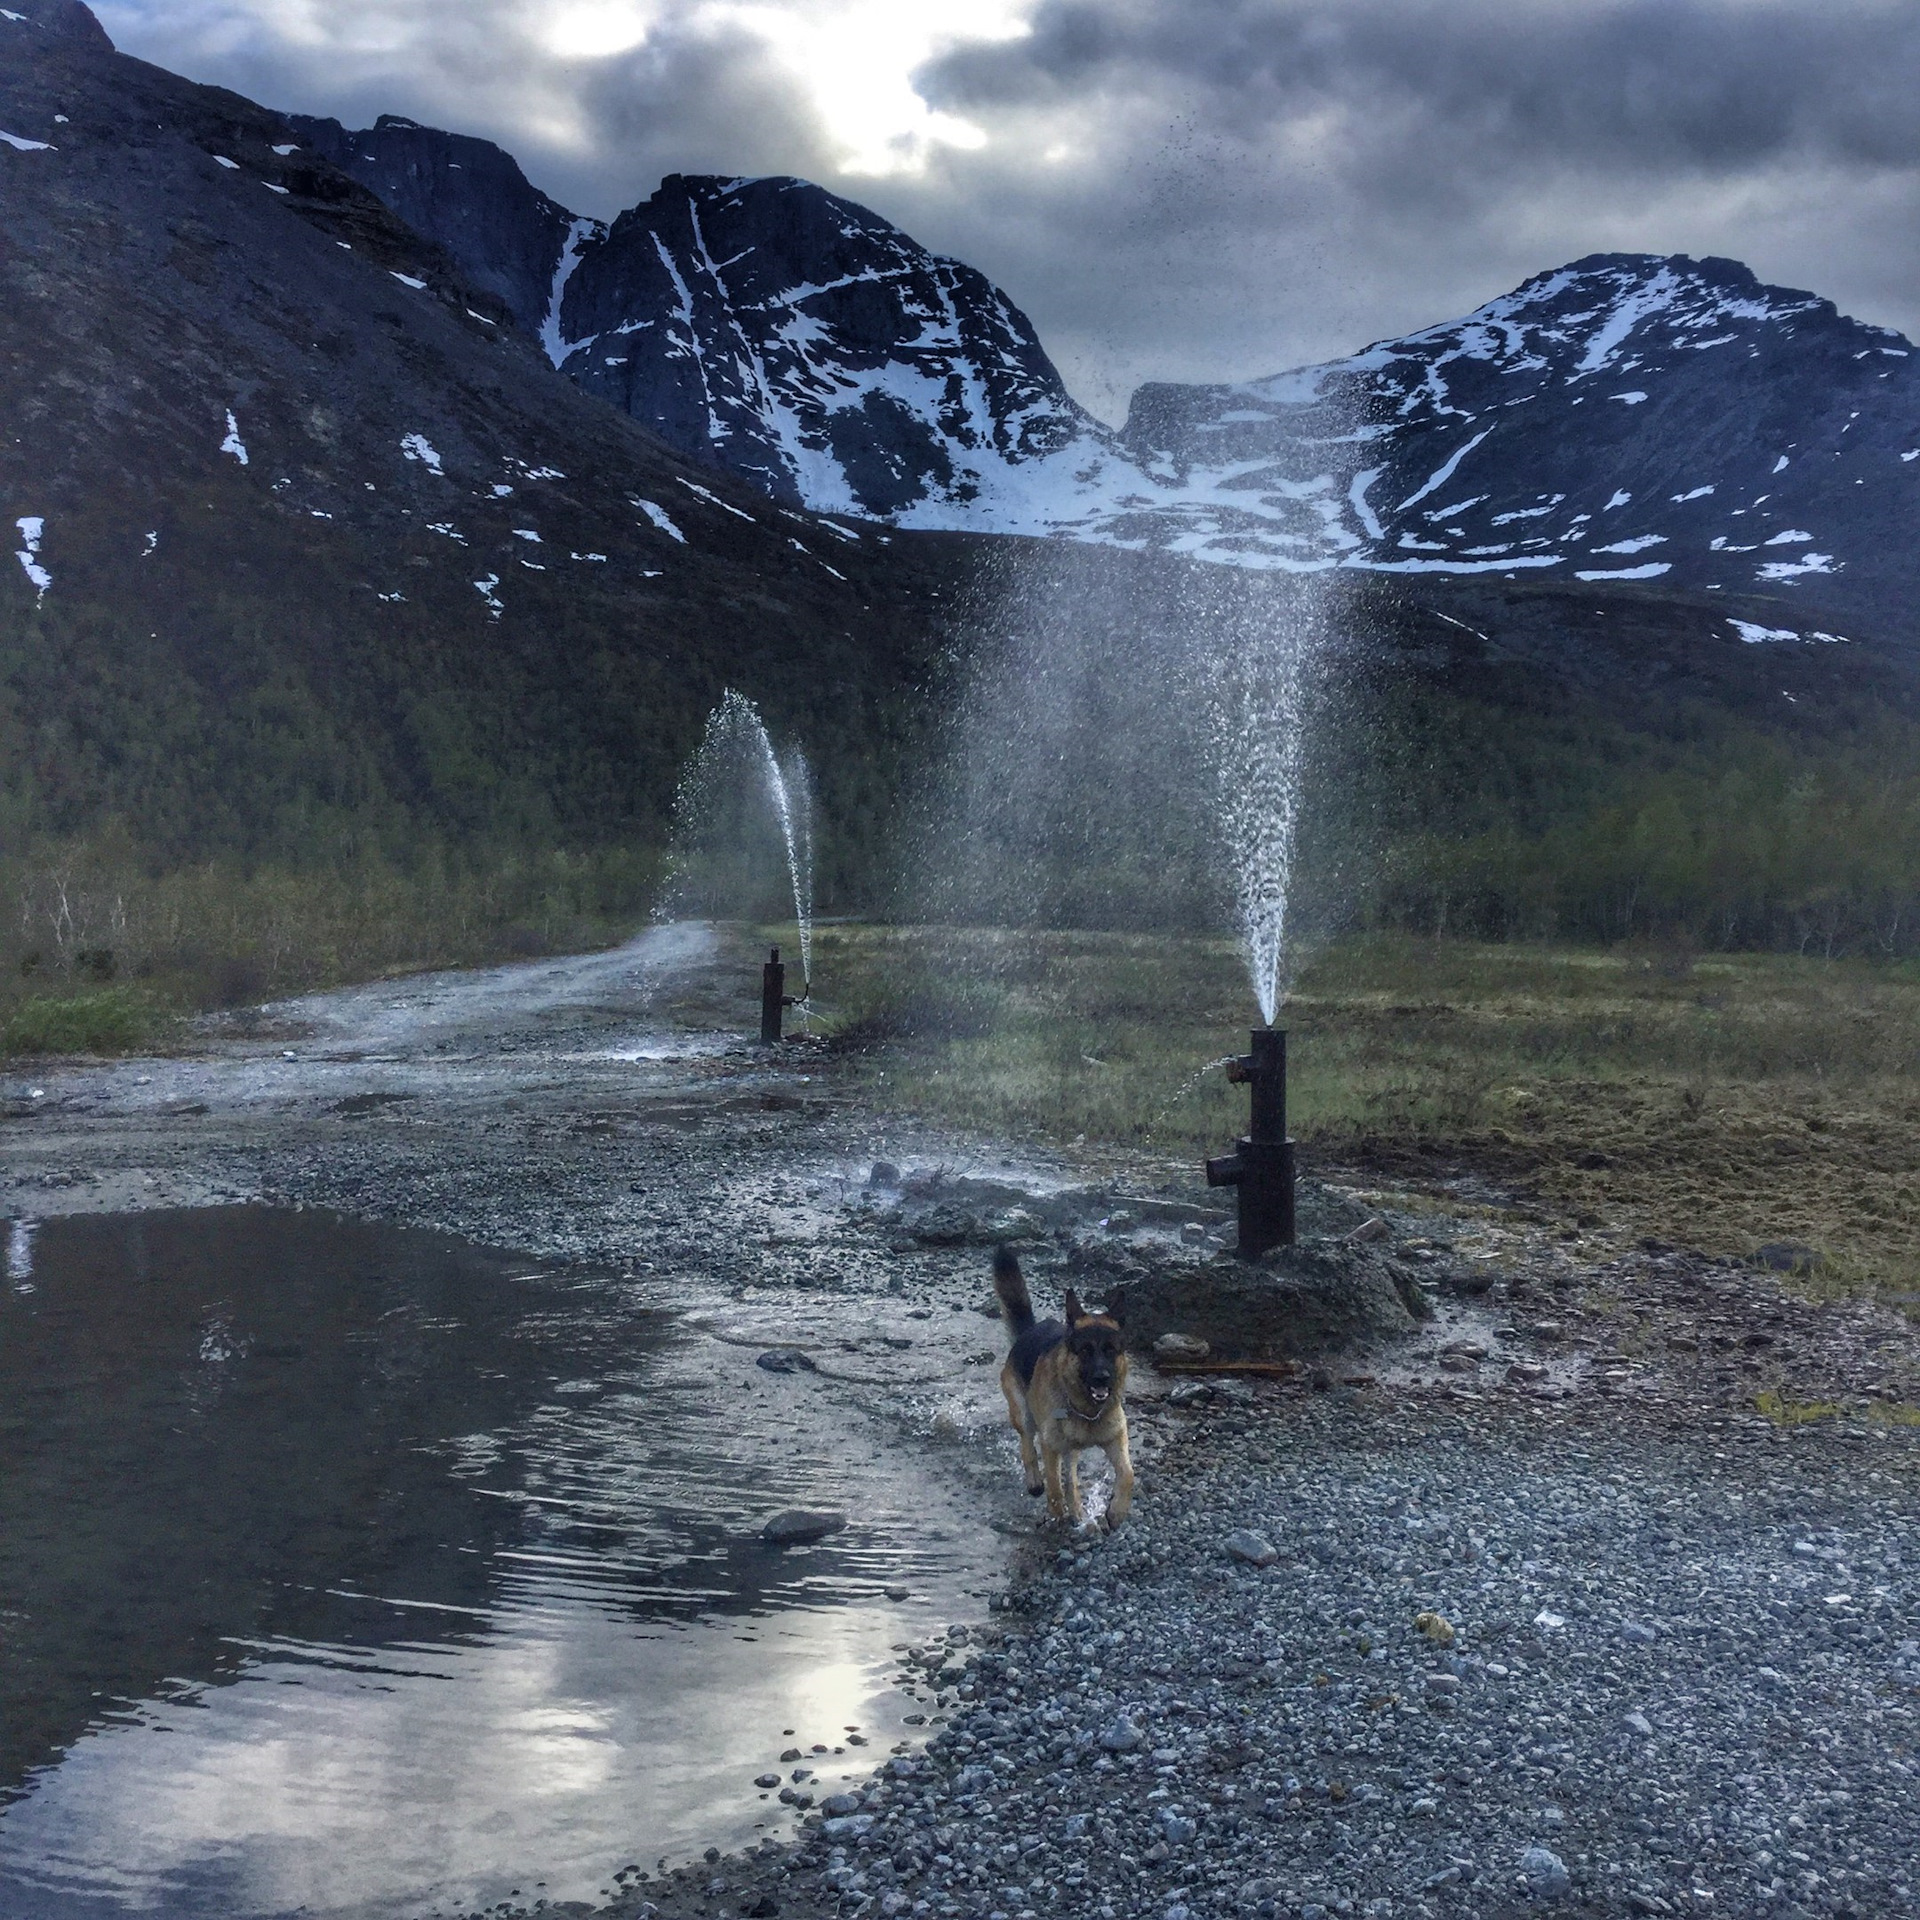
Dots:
pixel 1033 1346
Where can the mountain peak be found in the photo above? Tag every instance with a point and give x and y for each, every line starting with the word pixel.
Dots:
pixel 465 193
pixel 66 19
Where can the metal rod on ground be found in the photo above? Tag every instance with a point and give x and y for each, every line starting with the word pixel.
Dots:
pixel 774 999
pixel 1261 1166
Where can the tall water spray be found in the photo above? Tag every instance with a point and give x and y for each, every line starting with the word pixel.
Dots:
pixel 1257 725
pixel 735 762
pixel 1137 749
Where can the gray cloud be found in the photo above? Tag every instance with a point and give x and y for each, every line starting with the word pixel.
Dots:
pixel 1209 189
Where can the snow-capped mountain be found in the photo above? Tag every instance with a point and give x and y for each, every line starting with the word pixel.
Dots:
pixel 1628 417
pixel 1625 418
pixel 767 325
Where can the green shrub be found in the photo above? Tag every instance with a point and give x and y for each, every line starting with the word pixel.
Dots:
pixel 113 1020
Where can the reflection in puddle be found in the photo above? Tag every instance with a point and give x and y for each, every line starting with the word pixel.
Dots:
pixel 353 1569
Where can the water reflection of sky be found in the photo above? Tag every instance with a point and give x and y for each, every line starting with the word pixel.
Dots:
pixel 354 1570
pixel 438 1777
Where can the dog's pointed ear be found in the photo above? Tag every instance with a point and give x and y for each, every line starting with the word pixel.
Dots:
pixel 1075 1313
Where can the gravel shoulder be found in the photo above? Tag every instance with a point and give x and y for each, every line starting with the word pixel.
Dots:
pixel 1680 1670
pixel 1678 1673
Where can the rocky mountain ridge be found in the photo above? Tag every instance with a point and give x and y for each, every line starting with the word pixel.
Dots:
pixel 1623 418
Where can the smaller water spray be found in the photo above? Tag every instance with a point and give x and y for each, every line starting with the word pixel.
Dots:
pixel 735 763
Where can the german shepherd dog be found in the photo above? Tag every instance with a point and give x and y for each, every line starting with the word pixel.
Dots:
pixel 1063 1385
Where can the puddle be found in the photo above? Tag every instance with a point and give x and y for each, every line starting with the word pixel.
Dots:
pixel 355 1569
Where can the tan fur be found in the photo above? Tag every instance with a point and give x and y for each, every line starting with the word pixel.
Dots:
pixel 1056 1421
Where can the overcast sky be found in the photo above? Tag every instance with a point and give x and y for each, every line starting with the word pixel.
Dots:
pixel 1177 189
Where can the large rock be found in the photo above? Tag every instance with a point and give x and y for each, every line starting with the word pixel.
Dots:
pixel 1298 1301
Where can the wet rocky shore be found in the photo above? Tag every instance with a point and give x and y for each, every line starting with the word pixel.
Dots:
pixel 1529 1569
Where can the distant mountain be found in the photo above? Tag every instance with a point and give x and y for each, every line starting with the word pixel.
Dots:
pixel 1626 418
pixel 303 539
pixel 767 325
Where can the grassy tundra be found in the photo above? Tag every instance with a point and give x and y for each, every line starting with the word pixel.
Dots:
pixel 1724 1101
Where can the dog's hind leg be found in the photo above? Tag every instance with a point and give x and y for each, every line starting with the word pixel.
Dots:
pixel 1022 1423
pixel 1070 1474
pixel 1122 1464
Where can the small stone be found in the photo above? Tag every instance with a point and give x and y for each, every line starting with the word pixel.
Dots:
pixel 786 1360
pixel 1180 1346
pixel 766 1780
pixel 1193 1234
pixel 1191 1393
pixel 1254 1548
pixel 1546 1873
pixel 1176 1829
pixel 840 1803
pixel 1640 1724
pixel 796 1526
pixel 1436 1627
pixel 1122 1737
pixel 792 1753
pixel 1638 1633
pixel 1443 1683
pixel 899 1593
pixel 1374 1229
pixel 884 1174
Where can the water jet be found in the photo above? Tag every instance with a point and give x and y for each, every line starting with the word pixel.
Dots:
pixel 735 784
pixel 1261 1166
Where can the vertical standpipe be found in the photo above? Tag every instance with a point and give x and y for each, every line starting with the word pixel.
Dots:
pixel 1261 1166
pixel 774 998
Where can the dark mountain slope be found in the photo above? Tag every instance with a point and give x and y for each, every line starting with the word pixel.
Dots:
pixel 467 195
pixel 307 537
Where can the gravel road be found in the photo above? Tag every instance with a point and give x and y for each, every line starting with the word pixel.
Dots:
pixel 1531 1611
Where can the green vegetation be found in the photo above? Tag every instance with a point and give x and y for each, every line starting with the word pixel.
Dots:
pixel 110 1020
pixel 1722 1102
pixel 96 948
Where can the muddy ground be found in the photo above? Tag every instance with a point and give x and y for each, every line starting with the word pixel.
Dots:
pixel 606 1109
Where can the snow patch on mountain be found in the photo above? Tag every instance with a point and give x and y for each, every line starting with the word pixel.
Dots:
pixel 32 528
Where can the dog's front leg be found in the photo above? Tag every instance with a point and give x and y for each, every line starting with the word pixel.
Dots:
pixel 1056 1491
pixel 1122 1464
pixel 1071 1475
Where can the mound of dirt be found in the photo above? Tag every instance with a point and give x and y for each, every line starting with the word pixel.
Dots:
pixel 1298 1301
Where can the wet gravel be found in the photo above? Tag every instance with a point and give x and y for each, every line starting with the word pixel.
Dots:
pixel 1652 1673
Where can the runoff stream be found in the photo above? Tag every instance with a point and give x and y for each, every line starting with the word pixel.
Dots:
pixel 349 1567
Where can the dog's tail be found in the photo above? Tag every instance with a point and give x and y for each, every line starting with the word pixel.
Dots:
pixel 1016 1305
